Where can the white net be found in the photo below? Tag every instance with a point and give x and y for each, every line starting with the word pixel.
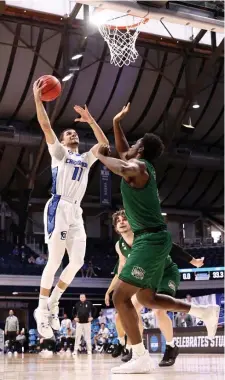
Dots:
pixel 121 43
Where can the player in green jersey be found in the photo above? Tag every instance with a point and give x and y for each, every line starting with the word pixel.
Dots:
pixel 123 249
pixel 169 284
pixel 143 271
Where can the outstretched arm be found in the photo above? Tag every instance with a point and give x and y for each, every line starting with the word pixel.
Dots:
pixel 86 117
pixel 126 169
pixel 42 116
pixel 55 148
pixel 121 142
pixel 180 253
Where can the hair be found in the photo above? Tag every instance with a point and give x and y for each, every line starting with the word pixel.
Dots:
pixel 153 147
pixel 116 215
pixel 61 136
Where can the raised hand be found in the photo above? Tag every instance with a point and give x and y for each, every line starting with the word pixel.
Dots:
pixel 85 116
pixel 38 86
pixel 198 263
pixel 122 113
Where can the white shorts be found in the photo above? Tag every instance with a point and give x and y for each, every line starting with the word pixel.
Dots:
pixel 63 221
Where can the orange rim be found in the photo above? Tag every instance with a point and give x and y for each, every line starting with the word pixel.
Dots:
pixel 124 27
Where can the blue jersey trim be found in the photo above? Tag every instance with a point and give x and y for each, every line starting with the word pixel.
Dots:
pixel 52 207
pixel 54 179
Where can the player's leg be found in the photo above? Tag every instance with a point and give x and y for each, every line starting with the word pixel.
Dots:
pixel 79 331
pixel 144 266
pixel 122 300
pixel 165 325
pixel 119 348
pixel 55 223
pixel 87 337
pixel 208 313
pixel 169 285
pixel 76 247
pixel 150 250
pixel 75 242
pixel 55 254
pixel 146 262
pixel 138 307
pixel 142 274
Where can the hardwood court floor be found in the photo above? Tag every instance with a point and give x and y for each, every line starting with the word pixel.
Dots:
pixel 32 367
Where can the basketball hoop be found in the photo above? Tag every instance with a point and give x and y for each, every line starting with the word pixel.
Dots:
pixel 121 40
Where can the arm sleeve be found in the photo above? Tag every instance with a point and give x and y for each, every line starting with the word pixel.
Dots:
pixel 91 158
pixel 180 253
pixel 17 325
pixel 56 150
pixel 6 324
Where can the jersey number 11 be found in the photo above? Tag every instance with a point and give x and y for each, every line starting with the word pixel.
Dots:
pixel 77 173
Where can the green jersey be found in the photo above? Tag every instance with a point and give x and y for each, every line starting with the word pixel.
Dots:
pixel 142 206
pixel 125 250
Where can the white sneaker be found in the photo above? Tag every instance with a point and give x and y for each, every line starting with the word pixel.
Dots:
pixel 43 326
pixel 89 352
pixel 46 354
pixel 54 317
pixel 9 354
pixel 210 318
pixel 15 354
pixel 75 352
pixel 138 364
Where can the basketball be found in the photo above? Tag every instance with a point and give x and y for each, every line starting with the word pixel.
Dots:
pixel 52 88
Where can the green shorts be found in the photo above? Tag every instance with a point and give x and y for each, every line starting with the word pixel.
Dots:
pixel 170 281
pixel 144 267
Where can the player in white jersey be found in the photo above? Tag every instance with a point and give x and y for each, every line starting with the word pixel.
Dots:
pixel 64 228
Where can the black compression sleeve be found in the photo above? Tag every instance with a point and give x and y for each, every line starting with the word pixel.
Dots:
pixel 178 252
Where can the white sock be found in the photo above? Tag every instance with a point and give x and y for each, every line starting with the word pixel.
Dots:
pixel 198 310
pixel 138 349
pixel 55 296
pixel 171 344
pixel 43 302
pixel 128 347
pixel 122 341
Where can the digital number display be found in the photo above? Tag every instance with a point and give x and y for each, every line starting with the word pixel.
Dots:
pixel 202 274
pixel 218 274
pixel 186 276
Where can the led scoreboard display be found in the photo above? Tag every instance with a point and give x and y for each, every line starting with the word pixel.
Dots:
pixel 198 274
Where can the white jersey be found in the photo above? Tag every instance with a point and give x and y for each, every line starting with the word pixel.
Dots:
pixel 69 171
